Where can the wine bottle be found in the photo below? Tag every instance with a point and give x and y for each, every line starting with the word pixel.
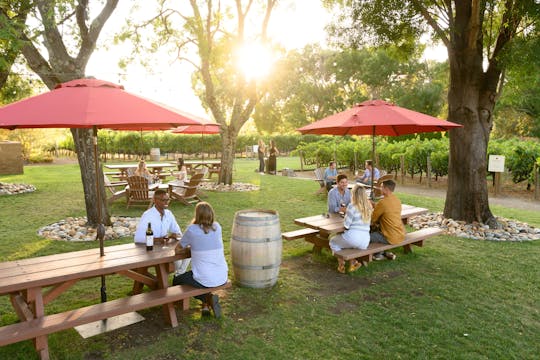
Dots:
pixel 149 238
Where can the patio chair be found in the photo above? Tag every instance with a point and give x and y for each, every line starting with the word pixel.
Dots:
pixel 378 184
pixel 319 177
pixel 138 191
pixel 187 193
pixel 215 169
pixel 117 189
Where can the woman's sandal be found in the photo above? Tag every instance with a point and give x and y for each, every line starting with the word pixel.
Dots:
pixel 341 268
pixel 354 265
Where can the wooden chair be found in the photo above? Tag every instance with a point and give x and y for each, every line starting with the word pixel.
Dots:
pixel 215 169
pixel 319 177
pixel 187 193
pixel 378 184
pixel 138 191
pixel 117 189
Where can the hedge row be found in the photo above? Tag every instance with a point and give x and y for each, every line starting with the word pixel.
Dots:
pixel 351 152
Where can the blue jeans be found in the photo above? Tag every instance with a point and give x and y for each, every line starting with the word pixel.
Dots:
pixel 377 237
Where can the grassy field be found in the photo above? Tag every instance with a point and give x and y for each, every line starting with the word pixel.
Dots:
pixel 452 299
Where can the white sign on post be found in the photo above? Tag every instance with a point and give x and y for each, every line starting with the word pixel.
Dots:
pixel 496 163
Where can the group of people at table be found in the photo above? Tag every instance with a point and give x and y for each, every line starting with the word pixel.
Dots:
pixel 204 237
pixel 180 176
pixel 364 221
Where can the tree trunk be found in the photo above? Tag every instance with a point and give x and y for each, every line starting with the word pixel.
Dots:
pixel 228 146
pixel 471 99
pixel 84 145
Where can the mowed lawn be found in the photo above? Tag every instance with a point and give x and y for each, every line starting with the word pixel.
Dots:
pixel 454 298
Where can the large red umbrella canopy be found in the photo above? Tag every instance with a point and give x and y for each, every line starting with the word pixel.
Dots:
pixel 210 128
pixel 84 103
pixel 92 103
pixel 377 117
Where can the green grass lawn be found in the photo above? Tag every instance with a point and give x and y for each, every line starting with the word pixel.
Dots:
pixel 452 299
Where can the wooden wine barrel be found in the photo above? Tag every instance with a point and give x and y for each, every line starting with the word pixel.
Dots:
pixel 256 248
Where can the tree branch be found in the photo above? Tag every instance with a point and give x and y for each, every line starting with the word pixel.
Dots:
pixel 431 21
pixel 89 38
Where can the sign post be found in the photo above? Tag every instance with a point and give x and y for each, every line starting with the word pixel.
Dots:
pixel 496 165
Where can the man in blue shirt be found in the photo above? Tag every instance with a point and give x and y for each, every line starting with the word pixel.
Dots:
pixel 340 196
pixel 366 177
pixel 330 175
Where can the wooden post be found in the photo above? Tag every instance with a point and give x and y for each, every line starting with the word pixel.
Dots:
pixel 497 183
pixel 301 160
pixel 428 170
pixel 402 164
pixel 536 182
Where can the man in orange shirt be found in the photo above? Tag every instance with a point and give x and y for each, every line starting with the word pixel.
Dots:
pixel 386 218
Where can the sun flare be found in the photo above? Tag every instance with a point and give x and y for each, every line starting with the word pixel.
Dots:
pixel 254 60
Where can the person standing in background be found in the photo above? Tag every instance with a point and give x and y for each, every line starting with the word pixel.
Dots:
pixel 273 152
pixel 261 151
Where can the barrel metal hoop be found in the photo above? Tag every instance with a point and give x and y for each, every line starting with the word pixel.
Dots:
pixel 262 240
pixel 254 267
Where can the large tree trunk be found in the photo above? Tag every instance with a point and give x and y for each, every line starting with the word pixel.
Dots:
pixel 471 99
pixel 84 145
pixel 228 146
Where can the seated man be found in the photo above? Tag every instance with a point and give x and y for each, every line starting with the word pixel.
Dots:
pixel 387 227
pixel 163 225
pixel 366 177
pixel 340 196
pixel 330 175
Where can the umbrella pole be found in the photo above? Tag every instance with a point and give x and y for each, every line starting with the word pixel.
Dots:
pixel 100 230
pixel 372 195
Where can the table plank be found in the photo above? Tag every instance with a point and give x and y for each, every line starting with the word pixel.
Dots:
pixel 53 270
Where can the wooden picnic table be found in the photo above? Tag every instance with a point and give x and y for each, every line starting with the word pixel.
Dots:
pixel 156 168
pixel 333 223
pixel 325 224
pixel 212 166
pixel 35 282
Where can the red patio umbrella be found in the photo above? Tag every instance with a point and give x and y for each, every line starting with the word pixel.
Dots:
pixel 205 128
pixel 377 117
pixel 92 103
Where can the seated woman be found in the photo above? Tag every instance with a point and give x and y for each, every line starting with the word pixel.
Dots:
pixel 356 222
pixel 208 264
pixel 366 176
pixel 181 175
pixel 143 171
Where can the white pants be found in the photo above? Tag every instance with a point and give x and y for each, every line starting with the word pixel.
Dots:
pixel 180 266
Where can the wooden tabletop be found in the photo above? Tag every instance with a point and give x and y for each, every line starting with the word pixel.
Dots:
pixel 49 270
pixel 331 223
pixel 133 166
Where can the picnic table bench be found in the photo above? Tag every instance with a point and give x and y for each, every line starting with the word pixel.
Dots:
pixel 33 283
pixel 365 256
pixel 318 228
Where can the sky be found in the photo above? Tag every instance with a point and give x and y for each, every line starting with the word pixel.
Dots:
pixel 293 24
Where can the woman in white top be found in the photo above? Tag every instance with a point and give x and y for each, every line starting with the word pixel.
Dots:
pixel 208 264
pixel 181 175
pixel 356 223
pixel 143 171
